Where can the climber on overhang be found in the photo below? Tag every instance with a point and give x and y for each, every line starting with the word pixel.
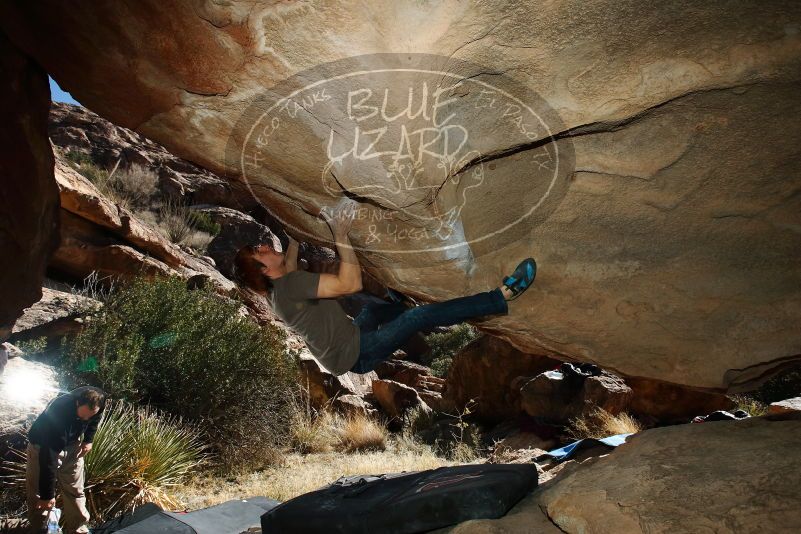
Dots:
pixel 306 302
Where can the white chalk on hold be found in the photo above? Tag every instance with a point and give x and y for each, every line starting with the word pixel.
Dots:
pixel 344 206
pixel 457 248
pixel 347 205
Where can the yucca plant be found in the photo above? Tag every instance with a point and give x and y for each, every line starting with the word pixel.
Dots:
pixel 138 455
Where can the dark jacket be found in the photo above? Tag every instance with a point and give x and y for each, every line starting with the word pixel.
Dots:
pixel 55 428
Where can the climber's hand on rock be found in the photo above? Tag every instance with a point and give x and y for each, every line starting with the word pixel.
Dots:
pixel 341 219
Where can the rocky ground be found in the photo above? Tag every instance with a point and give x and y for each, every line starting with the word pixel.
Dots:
pixel 728 476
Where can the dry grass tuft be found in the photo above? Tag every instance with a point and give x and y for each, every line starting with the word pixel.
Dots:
pixel 362 433
pixel 183 225
pixel 326 431
pixel 133 187
pixel 599 424
pixel 312 433
pixel 136 183
pixel 302 473
pixel 419 420
pixel 463 453
pixel 750 405
pixel 174 220
pixel 198 241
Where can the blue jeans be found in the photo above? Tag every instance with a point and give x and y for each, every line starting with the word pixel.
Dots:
pixel 397 323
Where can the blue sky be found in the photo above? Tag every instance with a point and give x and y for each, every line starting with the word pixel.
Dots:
pixel 57 94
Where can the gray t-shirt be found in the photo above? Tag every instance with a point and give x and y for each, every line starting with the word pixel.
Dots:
pixel 330 334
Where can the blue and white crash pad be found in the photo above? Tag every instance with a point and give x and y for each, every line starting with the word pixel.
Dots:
pixel 563 453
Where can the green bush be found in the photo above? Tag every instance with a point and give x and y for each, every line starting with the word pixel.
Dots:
pixel 192 354
pixel 79 158
pixel 445 345
pixel 33 346
pixel 202 221
pixel 96 175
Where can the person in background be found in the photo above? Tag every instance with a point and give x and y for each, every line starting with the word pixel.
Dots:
pixel 58 441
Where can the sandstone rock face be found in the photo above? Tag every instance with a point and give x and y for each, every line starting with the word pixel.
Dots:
pixel 323 386
pixel 667 239
pixel 396 398
pixel 493 371
pixel 419 378
pixel 728 477
pixel 99 235
pixel 486 370
pixel 663 482
pixel 76 129
pixel 57 314
pixel 28 194
pixel 607 391
pixel 408 373
pixel 353 405
pixel 671 403
pixel 785 406
pixel 558 396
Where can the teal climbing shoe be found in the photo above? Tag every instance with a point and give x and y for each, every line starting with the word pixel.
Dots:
pixel 522 278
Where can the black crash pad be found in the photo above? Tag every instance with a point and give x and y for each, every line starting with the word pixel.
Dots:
pixel 404 503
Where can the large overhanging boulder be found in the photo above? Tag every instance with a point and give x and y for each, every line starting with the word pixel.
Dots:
pixel 648 159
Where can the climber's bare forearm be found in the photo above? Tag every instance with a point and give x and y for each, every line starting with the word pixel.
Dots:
pixel 350 272
pixel 349 278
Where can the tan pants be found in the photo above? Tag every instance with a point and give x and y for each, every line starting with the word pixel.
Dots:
pixel 70 479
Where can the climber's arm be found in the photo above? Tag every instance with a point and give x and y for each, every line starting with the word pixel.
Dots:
pixel 349 278
pixel 292 255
